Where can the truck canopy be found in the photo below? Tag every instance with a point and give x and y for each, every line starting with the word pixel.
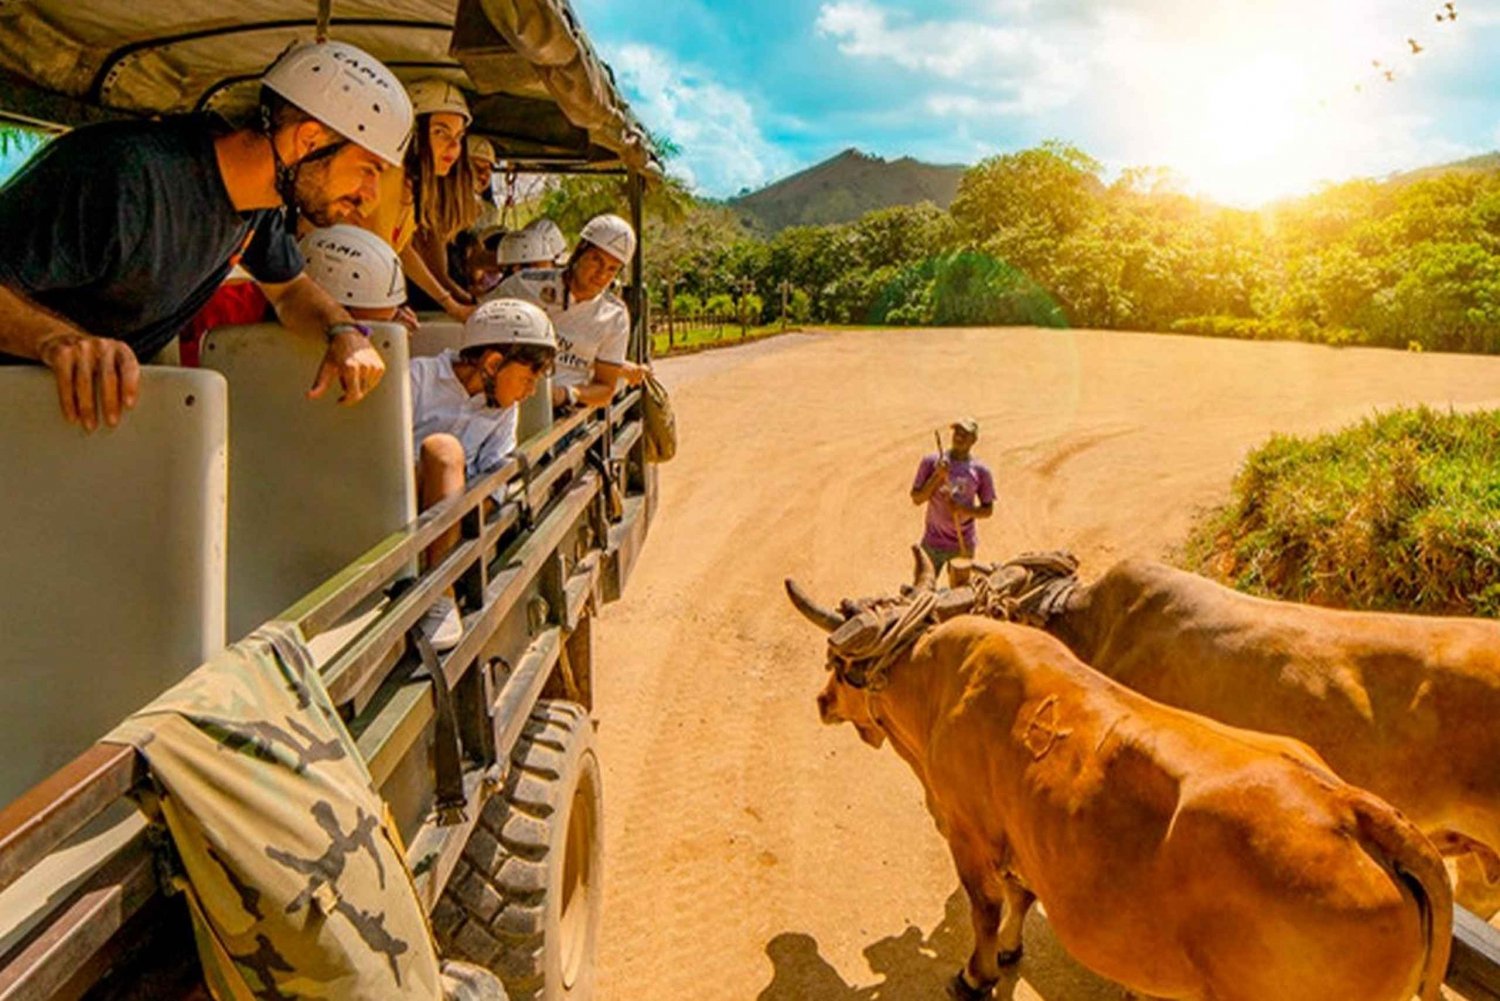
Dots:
pixel 538 90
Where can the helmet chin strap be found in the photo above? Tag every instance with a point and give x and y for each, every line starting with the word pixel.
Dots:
pixel 287 173
pixel 488 379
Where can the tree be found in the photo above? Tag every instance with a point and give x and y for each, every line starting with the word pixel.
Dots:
pixel 1018 206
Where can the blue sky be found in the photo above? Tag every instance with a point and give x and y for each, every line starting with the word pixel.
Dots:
pixel 1245 100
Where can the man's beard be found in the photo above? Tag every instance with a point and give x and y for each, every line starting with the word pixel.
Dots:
pixel 314 204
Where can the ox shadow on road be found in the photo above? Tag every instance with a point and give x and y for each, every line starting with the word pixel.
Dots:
pixel 917 967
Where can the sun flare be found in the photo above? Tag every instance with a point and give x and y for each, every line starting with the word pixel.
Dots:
pixel 1257 102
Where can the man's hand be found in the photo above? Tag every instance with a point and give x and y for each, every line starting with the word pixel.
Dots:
pixel 634 374
pixel 84 365
pixel 939 473
pixel 357 364
pixel 407 317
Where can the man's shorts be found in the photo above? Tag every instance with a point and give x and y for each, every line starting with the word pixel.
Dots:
pixel 939 557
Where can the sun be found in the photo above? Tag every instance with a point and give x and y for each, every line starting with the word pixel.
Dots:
pixel 1249 103
pixel 1244 139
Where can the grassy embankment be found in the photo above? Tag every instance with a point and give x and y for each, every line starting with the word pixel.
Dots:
pixel 1399 512
pixel 688 340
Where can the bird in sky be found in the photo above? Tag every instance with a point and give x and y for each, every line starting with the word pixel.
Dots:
pixel 1415 48
pixel 1390 76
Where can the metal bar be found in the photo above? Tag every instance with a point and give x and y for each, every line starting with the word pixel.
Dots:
pixel 541 485
pixel 625 441
pixel 621 409
pixel 349 672
pixel 31 105
pixel 507 585
pixel 397 726
pixel 435 849
pixel 522 689
pixel 535 447
pixel 44 963
pixel 117 56
pixel 49 812
pixel 577 588
pixel 640 340
pixel 1474 968
pixel 328 604
pixel 218 88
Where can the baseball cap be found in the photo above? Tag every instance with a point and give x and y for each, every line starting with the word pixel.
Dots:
pixel 968 424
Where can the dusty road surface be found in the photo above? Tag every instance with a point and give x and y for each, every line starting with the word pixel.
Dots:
pixel 752 853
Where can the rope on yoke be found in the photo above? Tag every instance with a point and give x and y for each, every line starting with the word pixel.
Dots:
pixel 898 634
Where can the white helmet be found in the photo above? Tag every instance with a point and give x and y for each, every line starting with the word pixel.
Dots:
pixel 612 235
pixel 480 150
pixel 354 266
pixel 348 90
pixel 508 321
pixel 523 246
pixel 552 237
pixel 432 96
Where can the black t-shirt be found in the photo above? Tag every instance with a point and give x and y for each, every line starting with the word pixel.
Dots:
pixel 126 229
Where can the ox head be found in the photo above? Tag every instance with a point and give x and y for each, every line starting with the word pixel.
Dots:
pixel 860 641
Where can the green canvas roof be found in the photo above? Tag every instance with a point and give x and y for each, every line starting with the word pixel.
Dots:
pixel 538 90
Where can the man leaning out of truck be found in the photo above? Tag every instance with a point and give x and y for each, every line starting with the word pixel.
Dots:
pixel 116 234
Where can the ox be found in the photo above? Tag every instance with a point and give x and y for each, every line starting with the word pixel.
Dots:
pixel 1405 706
pixel 1174 855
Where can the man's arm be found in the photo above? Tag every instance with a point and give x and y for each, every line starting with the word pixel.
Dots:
pixel 81 362
pixel 308 311
pixel 923 492
pixel 975 512
pixel 599 392
pixel 415 268
pixel 435 256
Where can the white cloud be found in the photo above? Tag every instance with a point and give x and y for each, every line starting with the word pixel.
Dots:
pixel 723 149
pixel 1033 74
pixel 1248 101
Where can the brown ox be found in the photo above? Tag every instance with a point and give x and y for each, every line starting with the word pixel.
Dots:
pixel 1405 706
pixel 1174 855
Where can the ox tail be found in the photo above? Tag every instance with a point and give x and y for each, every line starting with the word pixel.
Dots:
pixel 1407 853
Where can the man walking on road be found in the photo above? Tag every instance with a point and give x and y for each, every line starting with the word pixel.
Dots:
pixel 958 490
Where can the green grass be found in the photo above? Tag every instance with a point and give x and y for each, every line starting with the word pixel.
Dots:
pixel 1401 511
pixel 704 338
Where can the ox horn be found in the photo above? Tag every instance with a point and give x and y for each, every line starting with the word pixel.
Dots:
pixel 824 618
pixel 925 576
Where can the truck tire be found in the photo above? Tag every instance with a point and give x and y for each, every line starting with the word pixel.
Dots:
pixel 524 899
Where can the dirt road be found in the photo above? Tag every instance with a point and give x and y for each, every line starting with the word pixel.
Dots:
pixel 752 853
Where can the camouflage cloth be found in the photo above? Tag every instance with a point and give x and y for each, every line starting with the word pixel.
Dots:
pixel 296 878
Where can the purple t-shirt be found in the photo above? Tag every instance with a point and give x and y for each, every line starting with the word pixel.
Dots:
pixel 970 483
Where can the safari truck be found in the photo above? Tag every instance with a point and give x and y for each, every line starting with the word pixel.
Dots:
pixel 226 500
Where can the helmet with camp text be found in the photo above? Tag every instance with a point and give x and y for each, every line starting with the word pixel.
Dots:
pixel 348 90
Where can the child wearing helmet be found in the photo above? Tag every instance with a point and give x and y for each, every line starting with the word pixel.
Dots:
pixel 426 203
pixel 464 407
pixel 360 271
pixel 593 325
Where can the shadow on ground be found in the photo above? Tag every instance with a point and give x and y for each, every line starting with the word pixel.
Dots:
pixel 914 967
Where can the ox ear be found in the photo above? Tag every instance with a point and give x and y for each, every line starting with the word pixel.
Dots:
pixel 924 575
pixel 824 618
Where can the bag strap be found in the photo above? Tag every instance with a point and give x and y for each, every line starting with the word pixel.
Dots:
pixel 447 758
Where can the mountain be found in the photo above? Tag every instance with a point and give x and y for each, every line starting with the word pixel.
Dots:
pixel 846 187
pixel 1485 163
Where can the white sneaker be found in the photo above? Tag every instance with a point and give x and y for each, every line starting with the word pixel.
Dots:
pixel 442 625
